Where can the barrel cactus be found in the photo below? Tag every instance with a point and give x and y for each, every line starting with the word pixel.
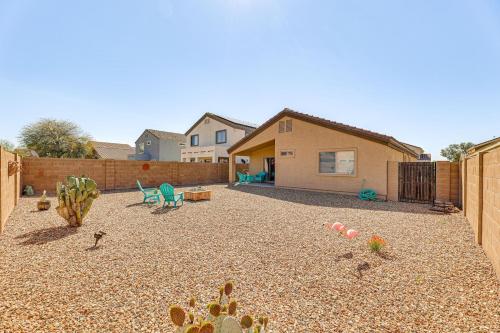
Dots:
pixel 218 316
pixel 75 199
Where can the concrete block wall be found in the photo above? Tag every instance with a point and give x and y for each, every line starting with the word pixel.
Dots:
pixel 44 173
pixel 448 182
pixel 392 180
pixel 490 229
pixel 481 198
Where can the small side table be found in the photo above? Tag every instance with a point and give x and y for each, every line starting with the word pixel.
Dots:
pixel 197 195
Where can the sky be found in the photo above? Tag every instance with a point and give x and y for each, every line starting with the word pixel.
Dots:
pixel 426 71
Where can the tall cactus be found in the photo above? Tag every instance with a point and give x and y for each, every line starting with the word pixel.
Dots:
pixel 75 199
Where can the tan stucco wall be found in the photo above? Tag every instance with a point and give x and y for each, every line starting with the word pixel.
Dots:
pixel 257 159
pixel 307 140
pixel 9 186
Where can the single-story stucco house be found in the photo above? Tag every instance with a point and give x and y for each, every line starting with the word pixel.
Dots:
pixel 111 150
pixel 306 152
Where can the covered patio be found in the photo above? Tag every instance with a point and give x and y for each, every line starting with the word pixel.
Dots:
pixel 262 158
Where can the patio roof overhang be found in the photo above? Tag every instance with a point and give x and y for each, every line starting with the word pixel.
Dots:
pixel 248 151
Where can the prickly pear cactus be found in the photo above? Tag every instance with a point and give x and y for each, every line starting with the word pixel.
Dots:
pixel 218 316
pixel 230 325
pixel 75 199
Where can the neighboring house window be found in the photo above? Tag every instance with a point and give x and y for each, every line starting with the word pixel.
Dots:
pixel 148 143
pixel 192 159
pixel 287 153
pixel 337 162
pixel 195 140
pixel 141 147
pixel 221 136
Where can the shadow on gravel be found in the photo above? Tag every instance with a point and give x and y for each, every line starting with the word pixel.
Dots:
pixel 164 210
pixel 43 236
pixel 138 204
pixel 93 248
pixel 347 255
pixel 325 199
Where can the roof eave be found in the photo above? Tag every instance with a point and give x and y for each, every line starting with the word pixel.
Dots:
pixel 391 142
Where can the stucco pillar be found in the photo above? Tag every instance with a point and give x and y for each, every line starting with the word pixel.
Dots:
pixel 232 167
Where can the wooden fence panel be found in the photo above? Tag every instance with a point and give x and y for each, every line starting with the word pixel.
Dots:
pixel 417 182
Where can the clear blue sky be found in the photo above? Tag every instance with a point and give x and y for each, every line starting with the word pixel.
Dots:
pixel 425 72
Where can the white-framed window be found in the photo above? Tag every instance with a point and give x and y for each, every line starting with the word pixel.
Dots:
pixel 337 162
pixel 148 143
pixel 287 153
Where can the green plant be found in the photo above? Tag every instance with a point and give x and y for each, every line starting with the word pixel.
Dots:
pixel 7 145
pixel 453 151
pixel 218 317
pixel 55 138
pixel 376 243
pixel 75 199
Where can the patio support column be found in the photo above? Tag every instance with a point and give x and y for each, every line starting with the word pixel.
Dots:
pixel 232 167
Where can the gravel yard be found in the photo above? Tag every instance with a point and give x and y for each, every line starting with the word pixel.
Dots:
pixel 272 243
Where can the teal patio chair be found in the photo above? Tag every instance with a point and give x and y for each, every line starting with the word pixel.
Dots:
pixel 151 195
pixel 169 195
pixel 242 178
pixel 260 177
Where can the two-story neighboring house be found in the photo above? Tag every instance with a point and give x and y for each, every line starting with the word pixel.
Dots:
pixel 154 145
pixel 210 137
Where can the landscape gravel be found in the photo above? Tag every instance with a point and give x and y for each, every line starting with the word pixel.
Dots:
pixel 431 277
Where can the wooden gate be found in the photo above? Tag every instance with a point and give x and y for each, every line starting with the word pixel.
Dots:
pixel 417 182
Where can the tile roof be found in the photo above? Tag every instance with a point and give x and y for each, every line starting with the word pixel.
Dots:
pixel 113 151
pixel 162 135
pixel 374 136
pixel 235 123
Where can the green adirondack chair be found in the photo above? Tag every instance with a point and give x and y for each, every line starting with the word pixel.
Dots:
pixel 150 194
pixel 260 177
pixel 169 195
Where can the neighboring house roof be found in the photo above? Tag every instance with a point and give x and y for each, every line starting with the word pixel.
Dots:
pixel 483 146
pixel 235 123
pixel 369 135
pixel 162 135
pixel 112 151
pixel 416 149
